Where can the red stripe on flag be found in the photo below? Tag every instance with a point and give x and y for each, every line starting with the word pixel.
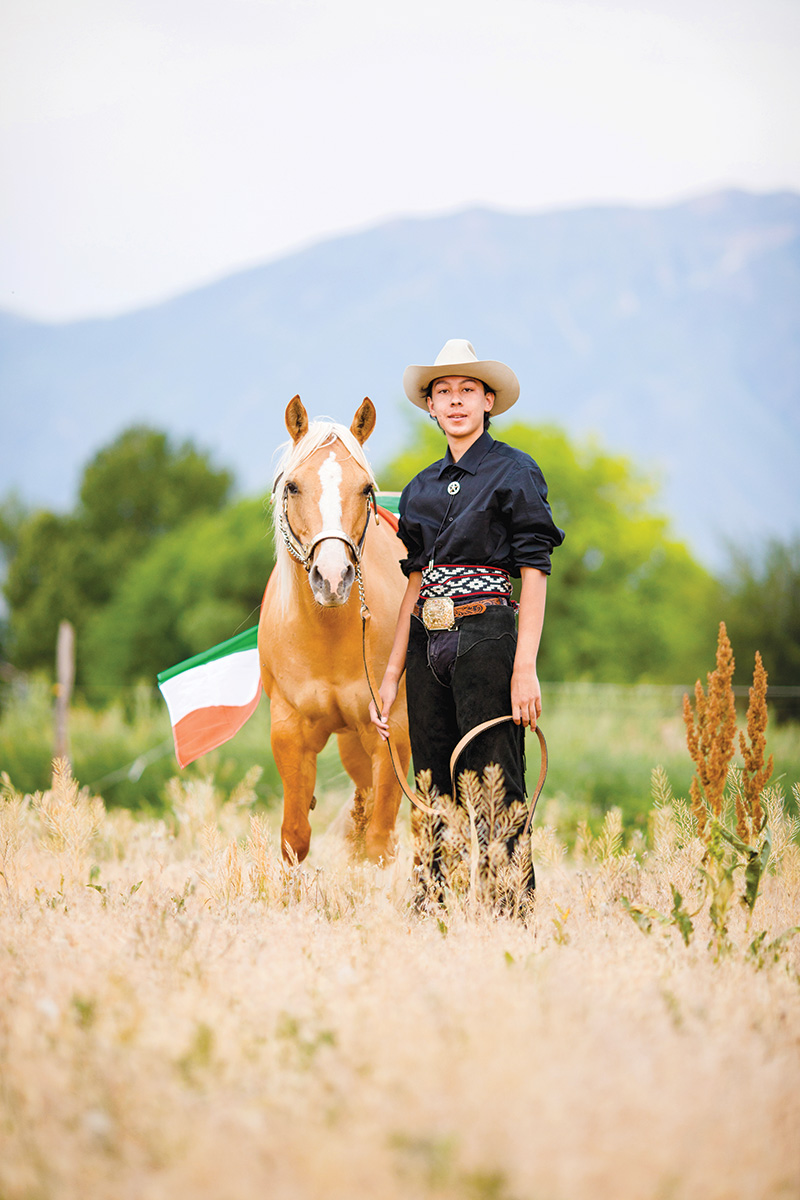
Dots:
pixel 389 517
pixel 207 728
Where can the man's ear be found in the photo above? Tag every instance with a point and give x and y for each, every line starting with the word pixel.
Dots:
pixel 491 397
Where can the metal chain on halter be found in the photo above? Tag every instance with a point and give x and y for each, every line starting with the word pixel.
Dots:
pixel 365 613
pixel 287 541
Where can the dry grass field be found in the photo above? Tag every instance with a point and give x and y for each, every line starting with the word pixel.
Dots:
pixel 183 1016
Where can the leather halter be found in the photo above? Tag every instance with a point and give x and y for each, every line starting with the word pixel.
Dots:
pixel 304 551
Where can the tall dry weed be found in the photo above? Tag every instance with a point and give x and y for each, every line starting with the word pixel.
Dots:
pixel 710 734
pixel 756 772
pixel 199 803
pixel 15 817
pixel 472 850
pixel 69 816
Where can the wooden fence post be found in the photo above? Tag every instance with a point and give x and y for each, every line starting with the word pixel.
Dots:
pixel 65 678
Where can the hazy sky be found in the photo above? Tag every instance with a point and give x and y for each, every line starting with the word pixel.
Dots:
pixel 150 145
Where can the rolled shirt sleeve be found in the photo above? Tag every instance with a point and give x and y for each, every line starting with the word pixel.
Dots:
pixel 410 535
pixel 533 532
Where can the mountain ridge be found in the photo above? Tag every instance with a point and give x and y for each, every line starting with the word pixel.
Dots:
pixel 671 333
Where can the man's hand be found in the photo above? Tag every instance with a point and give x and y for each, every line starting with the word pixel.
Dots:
pixel 526 697
pixel 388 695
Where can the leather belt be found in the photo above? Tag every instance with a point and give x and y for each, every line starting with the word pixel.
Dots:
pixel 469 609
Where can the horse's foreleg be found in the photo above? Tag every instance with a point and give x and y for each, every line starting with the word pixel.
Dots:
pixel 358 764
pixel 380 837
pixel 296 761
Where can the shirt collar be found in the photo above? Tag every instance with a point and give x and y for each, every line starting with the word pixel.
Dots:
pixel 471 461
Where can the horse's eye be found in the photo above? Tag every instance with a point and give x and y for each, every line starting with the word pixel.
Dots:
pixel 292 488
pixel 367 491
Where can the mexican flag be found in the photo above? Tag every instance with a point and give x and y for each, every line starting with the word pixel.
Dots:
pixel 211 695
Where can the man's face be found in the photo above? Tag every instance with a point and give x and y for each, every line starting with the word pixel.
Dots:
pixel 458 403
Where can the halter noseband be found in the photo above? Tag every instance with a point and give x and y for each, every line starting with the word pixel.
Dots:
pixel 303 552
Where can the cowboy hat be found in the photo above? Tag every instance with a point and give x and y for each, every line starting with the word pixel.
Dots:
pixel 458 357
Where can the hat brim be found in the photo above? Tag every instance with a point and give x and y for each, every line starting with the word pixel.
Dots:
pixel 495 376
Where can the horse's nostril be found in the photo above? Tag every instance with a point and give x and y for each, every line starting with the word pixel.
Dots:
pixel 318 582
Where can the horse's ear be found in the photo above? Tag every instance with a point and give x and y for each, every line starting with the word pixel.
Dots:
pixel 363 421
pixel 296 419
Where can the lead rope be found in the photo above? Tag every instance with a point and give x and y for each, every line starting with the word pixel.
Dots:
pixel 465 740
pixel 365 616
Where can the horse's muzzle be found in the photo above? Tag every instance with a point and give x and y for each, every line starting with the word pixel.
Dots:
pixel 331 593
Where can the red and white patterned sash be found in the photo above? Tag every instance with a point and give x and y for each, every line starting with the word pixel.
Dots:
pixel 464 582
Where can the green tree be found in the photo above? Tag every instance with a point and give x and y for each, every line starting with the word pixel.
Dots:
pixel 762 612
pixel 142 485
pixel 194 587
pixel 54 576
pixel 131 493
pixel 13 514
pixel 625 602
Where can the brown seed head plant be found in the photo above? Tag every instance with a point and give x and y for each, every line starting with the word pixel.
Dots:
pixel 756 773
pixel 710 734
pixel 734 864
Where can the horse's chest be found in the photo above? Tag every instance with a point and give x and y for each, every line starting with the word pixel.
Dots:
pixel 326 704
pixel 320 678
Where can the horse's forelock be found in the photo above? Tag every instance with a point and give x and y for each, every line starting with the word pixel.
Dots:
pixel 320 433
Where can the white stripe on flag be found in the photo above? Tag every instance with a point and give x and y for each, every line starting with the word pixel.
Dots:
pixel 232 680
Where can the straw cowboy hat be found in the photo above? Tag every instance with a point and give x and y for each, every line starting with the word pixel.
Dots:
pixel 458 357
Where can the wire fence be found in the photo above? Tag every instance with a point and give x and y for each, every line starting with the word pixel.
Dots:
pixel 123 748
pixel 622 694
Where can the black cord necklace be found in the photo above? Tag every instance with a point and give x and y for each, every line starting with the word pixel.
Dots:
pixel 453 488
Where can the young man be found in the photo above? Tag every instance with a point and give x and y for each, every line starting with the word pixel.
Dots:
pixel 469 522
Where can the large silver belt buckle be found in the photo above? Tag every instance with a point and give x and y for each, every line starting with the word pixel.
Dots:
pixel 438 612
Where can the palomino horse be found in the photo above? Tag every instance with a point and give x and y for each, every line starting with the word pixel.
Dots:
pixel 310 632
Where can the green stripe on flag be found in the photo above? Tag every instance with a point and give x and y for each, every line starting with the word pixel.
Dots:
pixel 389 501
pixel 248 640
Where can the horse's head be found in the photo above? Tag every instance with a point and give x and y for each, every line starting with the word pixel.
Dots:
pixel 325 489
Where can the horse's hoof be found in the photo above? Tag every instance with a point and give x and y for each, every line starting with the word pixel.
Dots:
pixel 380 850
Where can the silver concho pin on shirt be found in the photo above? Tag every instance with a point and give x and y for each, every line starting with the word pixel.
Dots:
pixel 453 488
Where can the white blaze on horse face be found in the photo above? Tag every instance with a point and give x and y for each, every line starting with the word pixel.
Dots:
pixel 332 559
pixel 330 501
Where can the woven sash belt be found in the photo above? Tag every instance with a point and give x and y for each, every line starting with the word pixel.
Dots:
pixel 463 581
pixel 452 591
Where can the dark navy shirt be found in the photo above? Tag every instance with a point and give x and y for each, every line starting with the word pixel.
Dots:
pixel 498 517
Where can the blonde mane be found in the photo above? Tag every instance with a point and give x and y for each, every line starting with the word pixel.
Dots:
pixel 320 433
